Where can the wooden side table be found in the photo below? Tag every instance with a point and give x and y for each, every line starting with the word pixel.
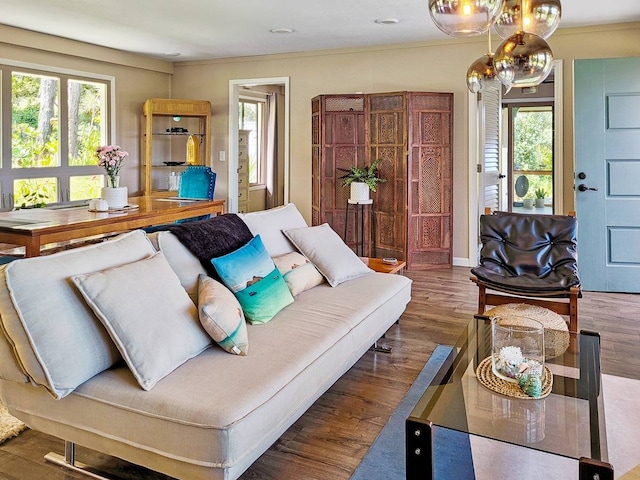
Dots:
pixel 377 265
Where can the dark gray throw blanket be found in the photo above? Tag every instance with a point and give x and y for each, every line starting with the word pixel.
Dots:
pixel 212 237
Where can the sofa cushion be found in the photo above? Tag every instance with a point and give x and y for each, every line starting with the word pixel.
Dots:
pixel 182 261
pixel 148 315
pixel 221 316
pixel 324 247
pixel 298 272
pixel 254 279
pixel 46 315
pixel 269 224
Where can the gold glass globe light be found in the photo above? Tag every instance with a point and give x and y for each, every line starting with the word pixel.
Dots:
pixel 541 17
pixel 523 60
pixel 464 18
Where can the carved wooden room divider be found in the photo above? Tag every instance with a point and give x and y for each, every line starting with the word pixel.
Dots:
pixel 412 132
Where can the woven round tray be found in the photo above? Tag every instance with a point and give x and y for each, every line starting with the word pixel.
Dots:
pixel 490 380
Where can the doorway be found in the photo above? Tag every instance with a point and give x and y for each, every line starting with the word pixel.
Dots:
pixel 528 151
pixel 484 189
pixel 242 88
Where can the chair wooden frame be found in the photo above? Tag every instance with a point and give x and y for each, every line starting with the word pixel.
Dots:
pixel 569 308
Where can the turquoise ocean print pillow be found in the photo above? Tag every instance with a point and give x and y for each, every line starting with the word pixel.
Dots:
pixel 251 275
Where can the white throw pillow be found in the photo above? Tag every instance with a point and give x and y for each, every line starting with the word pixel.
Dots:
pixel 56 336
pixel 182 261
pixel 221 315
pixel 298 272
pixel 269 224
pixel 326 250
pixel 148 314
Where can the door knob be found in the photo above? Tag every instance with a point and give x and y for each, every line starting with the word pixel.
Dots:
pixel 582 175
pixel 501 175
pixel 583 188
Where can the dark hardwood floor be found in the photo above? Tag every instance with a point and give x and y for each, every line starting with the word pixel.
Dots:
pixel 329 441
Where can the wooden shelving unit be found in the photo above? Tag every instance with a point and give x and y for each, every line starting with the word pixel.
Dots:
pixel 162 143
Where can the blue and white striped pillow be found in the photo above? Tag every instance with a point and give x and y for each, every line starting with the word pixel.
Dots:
pixel 221 316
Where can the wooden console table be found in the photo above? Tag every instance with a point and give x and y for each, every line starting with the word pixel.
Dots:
pixel 33 228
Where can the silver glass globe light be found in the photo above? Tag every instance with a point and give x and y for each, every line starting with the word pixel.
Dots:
pixel 464 18
pixel 523 60
pixel 541 17
pixel 482 73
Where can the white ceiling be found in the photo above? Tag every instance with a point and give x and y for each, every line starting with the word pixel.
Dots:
pixel 207 29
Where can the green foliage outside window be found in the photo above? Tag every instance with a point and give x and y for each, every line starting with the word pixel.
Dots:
pixel 533 147
pixel 37 133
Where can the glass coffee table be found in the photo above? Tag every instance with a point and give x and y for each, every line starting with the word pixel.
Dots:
pixel 460 418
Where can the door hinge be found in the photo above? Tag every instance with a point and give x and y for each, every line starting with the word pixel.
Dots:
pixel 479 168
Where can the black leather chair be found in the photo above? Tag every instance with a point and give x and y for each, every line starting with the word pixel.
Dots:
pixel 532 258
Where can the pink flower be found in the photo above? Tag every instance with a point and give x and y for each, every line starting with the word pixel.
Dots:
pixel 110 157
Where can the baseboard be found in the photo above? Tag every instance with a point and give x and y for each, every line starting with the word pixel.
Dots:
pixel 461 262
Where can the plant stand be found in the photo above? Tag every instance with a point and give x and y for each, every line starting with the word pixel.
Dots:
pixel 360 207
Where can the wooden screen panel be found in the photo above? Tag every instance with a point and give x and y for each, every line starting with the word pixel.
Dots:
pixel 430 181
pixel 316 162
pixel 341 144
pixel 387 140
pixel 412 133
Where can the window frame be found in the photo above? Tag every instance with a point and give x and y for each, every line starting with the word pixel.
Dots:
pixel 64 172
pixel 261 135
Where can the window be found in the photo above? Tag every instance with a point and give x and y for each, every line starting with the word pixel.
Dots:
pixel 57 123
pixel 251 116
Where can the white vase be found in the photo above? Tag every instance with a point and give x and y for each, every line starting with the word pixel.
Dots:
pixel 539 202
pixel 115 197
pixel 528 202
pixel 359 192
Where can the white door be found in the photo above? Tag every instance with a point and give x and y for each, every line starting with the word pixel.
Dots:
pixel 490 114
pixel 607 183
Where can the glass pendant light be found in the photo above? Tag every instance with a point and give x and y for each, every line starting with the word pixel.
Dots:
pixel 541 17
pixel 464 18
pixel 482 72
pixel 523 60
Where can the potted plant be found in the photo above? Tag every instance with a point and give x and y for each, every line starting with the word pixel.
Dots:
pixel 362 180
pixel 540 194
pixel 111 157
pixel 527 202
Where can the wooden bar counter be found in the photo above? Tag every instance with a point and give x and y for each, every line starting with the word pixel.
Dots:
pixel 33 228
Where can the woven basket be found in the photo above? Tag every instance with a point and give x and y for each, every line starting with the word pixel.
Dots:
pixel 556 332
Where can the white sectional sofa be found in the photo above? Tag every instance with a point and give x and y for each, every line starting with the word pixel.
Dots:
pixel 213 415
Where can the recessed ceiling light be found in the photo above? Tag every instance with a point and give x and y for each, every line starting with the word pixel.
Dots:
pixel 387 21
pixel 282 30
pixel 172 54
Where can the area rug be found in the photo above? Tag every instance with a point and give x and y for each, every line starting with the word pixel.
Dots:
pixel 9 425
pixel 386 457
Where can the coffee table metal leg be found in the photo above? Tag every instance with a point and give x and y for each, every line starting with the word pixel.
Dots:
pixel 419 453
pixel 590 469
